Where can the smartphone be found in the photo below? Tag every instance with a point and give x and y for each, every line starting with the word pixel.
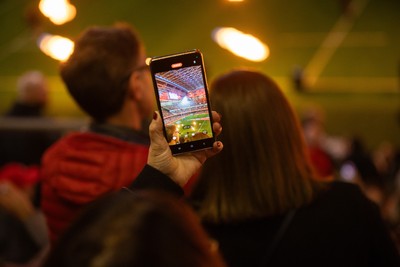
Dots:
pixel 181 90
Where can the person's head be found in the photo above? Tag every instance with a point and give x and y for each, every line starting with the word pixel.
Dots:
pixel 313 131
pixel 107 70
pixel 138 229
pixel 32 89
pixel 312 122
pixel 264 167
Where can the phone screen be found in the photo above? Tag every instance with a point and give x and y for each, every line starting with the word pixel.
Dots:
pixel 182 96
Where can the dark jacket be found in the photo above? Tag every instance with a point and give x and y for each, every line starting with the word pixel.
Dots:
pixel 340 228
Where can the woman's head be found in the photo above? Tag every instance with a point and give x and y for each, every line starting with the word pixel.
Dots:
pixel 263 168
pixel 136 229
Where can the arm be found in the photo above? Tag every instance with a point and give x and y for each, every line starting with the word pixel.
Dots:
pixel 165 171
pixel 151 178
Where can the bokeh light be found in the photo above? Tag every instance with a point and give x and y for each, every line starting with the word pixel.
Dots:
pixel 241 44
pixel 55 46
pixel 58 11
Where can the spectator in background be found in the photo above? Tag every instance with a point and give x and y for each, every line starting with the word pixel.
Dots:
pixel 386 158
pixel 23 230
pixel 366 174
pixel 22 146
pixel 107 77
pixel 377 174
pixel 23 234
pixel 314 133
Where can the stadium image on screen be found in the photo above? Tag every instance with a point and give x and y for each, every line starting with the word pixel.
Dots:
pixel 184 105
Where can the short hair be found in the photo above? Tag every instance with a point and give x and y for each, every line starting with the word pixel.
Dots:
pixel 32 88
pixel 141 228
pixel 264 168
pixel 97 72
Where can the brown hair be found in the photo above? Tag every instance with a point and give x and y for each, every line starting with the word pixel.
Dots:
pixel 264 167
pixel 142 228
pixel 97 72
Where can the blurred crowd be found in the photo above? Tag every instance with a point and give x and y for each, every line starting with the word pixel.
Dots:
pixel 376 171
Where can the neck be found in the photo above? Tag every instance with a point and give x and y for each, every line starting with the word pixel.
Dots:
pixel 129 116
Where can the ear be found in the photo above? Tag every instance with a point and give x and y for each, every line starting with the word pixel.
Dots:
pixel 134 88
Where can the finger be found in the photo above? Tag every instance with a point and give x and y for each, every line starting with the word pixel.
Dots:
pixel 217 147
pixel 217 128
pixel 155 128
pixel 216 116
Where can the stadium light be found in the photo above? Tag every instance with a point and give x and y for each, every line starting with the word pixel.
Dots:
pixel 57 47
pixel 241 44
pixel 58 11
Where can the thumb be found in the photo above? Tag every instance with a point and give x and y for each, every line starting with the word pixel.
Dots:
pixel 160 156
pixel 155 128
pixel 158 143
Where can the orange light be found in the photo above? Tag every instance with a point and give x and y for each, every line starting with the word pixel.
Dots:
pixel 58 11
pixel 241 44
pixel 57 47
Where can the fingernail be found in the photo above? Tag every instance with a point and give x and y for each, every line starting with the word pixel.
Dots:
pixel 155 115
pixel 219 144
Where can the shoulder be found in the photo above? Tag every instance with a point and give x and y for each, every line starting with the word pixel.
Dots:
pixel 93 157
pixel 92 141
pixel 345 189
pixel 343 200
pixel 345 206
pixel 344 192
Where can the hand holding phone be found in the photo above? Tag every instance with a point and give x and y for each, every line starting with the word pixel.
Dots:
pixel 182 167
pixel 182 96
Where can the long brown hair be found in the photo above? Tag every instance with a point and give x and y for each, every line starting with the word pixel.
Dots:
pixel 264 168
